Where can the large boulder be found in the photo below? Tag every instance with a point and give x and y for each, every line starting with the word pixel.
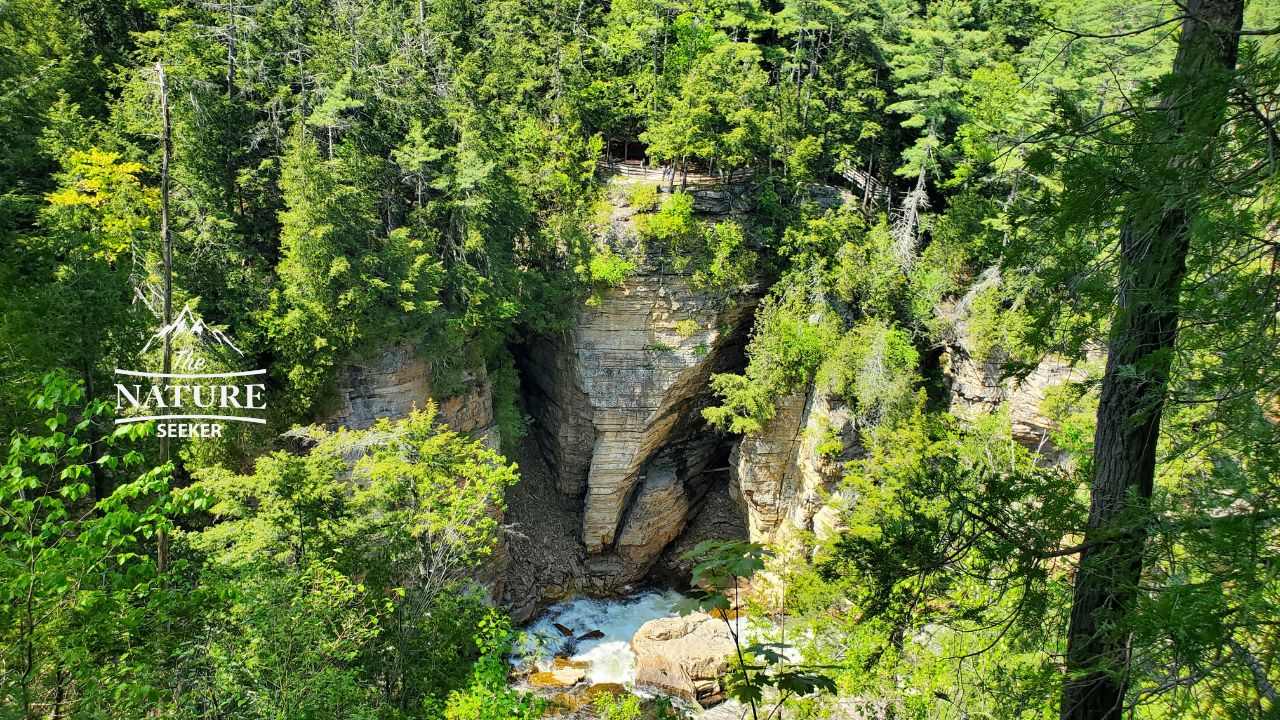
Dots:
pixel 684 656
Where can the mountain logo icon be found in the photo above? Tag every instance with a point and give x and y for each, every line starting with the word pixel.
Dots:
pixel 190 328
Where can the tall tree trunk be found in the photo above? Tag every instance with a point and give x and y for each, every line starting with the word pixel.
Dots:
pixel 1153 263
pixel 231 49
pixel 166 151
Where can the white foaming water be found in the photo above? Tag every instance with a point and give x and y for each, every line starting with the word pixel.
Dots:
pixel 610 657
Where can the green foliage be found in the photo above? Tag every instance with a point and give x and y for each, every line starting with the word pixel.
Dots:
pixel 336 272
pixel 609 270
pixel 866 270
pixel 643 197
pixel 488 696
pixel 875 365
pixel 995 323
pixel 674 224
pixel 84 602
pixel 717 254
pixel 308 588
pixel 830 445
pixel 290 643
pixel 941 48
pixel 721 567
pixel 949 550
pixel 626 706
pixel 787 345
pixel 617 707
pixel 351 177
pixel 349 584
pixel 727 264
pixel 512 423
pixel 716 113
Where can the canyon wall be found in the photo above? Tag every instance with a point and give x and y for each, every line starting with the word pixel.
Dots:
pixel 621 473
pixel 786 477
pixel 617 401
pixel 980 384
pixel 397 380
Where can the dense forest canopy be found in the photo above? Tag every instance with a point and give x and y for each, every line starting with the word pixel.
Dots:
pixel 1086 180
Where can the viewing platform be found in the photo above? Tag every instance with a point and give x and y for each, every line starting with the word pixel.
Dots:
pixel 640 170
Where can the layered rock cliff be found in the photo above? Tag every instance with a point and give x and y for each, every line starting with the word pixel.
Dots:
pixel 398 380
pixel 786 476
pixel 981 384
pixel 617 403
pixel 621 474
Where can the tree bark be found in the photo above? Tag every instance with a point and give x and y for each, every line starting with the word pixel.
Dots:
pixel 166 151
pixel 1153 263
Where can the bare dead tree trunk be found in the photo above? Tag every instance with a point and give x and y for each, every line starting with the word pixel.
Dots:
pixel 231 49
pixel 166 149
pixel 1153 262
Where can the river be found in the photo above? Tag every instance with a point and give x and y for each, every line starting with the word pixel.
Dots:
pixel 609 658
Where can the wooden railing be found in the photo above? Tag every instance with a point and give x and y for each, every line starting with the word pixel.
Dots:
pixel 872 191
pixel 641 171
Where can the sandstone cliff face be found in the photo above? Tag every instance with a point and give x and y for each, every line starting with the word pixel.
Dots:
pixel 786 476
pixel 978 386
pixel 977 389
pixel 617 403
pixel 397 380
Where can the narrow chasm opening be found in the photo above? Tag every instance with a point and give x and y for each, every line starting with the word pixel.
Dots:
pixel 715 516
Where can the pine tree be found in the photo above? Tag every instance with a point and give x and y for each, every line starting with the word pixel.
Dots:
pixel 1153 261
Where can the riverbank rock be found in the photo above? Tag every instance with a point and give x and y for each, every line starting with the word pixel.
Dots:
pixel 564 673
pixel 684 656
pixel 608 688
pixel 557 678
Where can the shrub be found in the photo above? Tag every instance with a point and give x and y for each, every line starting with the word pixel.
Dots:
pixel 643 197
pixel 875 364
pixel 609 270
pixel 674 222
pixel 617 707
pixel 728 262
pixel 790 340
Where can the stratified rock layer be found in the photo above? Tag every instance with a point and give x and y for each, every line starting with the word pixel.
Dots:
pixel 979 385
pixel 397 380
pixel 786 476
pixel 617 401
pixel 617 405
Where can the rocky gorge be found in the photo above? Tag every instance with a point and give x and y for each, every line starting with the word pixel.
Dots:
pixel 621 474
